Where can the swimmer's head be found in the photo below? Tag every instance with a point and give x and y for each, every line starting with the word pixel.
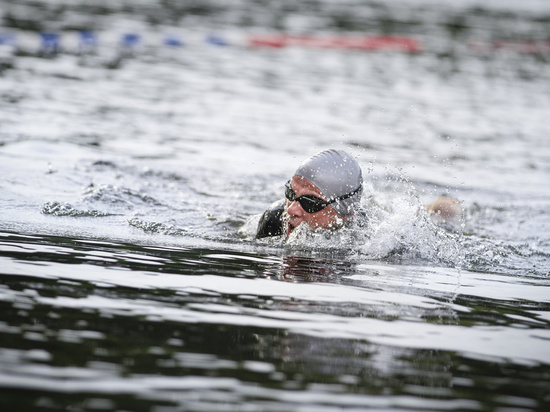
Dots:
pixel 324 192
pixel 338 176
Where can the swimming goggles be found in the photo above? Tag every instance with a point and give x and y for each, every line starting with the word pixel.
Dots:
pixel 313 204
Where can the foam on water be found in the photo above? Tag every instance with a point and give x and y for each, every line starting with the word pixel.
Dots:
pixel 66 209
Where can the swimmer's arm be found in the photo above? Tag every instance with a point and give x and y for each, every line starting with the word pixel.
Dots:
pixel 271 222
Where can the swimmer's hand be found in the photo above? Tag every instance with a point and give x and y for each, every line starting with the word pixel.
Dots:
pixel 444 210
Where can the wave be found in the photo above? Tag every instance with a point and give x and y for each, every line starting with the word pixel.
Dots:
pixel 66 209
pixel 117 196
pixel 157 227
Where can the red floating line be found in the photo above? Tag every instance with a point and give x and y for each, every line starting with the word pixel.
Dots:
pixel 517 46
pixel 526 46
pixel 369 43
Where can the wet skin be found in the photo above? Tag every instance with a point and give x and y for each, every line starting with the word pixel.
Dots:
pixel 445 210
pixel 295 215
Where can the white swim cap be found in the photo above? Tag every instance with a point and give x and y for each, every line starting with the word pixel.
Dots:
pixel 336 174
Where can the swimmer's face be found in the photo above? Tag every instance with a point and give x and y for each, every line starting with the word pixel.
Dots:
pixel 326 218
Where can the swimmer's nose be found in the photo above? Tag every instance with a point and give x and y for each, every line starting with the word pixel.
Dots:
pixel 295 209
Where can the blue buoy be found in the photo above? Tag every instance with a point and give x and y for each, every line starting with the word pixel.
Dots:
pixel 173 41
pixel 130 40
pixel 87 43
pixel 216 40
pixel 7 51
pixel 88 39
pixel 7 39
pixel 50 43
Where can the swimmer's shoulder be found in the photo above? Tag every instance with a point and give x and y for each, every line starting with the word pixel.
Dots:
pixel 271 222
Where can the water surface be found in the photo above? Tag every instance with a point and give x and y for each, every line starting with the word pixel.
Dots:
pixel 132 180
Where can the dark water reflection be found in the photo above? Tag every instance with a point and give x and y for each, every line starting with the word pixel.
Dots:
pixel 106 355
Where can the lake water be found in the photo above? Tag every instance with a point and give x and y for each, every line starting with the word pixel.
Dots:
pixel 133 175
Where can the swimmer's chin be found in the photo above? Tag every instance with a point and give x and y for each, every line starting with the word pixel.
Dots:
pixel 295 230
pixel 298 233
pixel 289 229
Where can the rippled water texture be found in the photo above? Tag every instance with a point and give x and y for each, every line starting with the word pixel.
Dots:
pixel 133 173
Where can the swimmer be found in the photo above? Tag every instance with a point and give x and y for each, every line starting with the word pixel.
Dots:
pixel 325 193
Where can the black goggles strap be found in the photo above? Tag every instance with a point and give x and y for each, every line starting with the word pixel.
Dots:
pixel 346 196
